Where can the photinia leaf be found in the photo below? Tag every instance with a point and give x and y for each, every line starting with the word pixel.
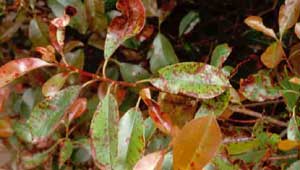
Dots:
pixel 76 58
pixel 17 68
pixel 129 24
pixel 197 143
pixel 152 161
pixel 6 129
pixel 65 152
pixel 77 108
pixel 151 7
pixel 31 161
pixel 242 147
pixel 38 32
pixel 149 127
pixel 4 94
pixel 259 87
pixel 54 84
pixel 95 10
pixel 256 22
pixel 288 15
pixel 294 57
pixel 82 151
pixel 294 166
pixel 290 93
pixel 162 53
pixel 273 55
pixel 193 79
pixel 220 55
pixel 23 132
pixel 104 133
pixel 168 161
pixel 215 106
pixel 133 73
pixel 46 116
pixel 48 53
pixel 293 132
pixel 286 145
pixel 297 29
pixel 131 140
pixel 188 22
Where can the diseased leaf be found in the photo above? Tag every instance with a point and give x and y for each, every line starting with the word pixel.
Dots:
pixel 286 145
pixel 294 166
pixel 197 143
pixel 293 132
pixel 273 55
pixel 48 53
pixel 288 15
pixel 6 129
pixel 193 79
pixel 259 87
pixel 129 24
pixel 256 22
pixel 162 53
pixel 220 55
pixel 46 116
pixel 215 106
pixel 54 84
pixel 188 22
pixel 131 139
pixel 152 161
pixel 297 29
pixel 17 68
pixel 104 133
pixel 77 108
pixel 133 73
pixel 65 152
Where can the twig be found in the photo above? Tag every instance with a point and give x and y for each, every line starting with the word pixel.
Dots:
pixel 275 158
pixel 263 103
pixel 248 112
pixel 236 140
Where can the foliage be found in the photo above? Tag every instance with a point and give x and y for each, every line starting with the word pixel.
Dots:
pixel 149 85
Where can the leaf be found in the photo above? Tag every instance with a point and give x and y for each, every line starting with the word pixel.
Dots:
pixel 82 152
pixel 162 53
pixel 168 161
pixel 242 147
pixel 77 108
pixel 288 15
pixel 188 22
pixel 295 80
pixel 104 133
pixel 294 166
pixel 48 53
pixel 273 55
pixel 293 132
pixel 65 152
pixel 151 8
pixel 256 22
pixel 297 29
pixel 6 155
pixel 31 161
pixel 95 10
pixel 6 129
pixel 286 145
pixel 215 106
pixel 259 87
pixel 152 161
pixel 54 84
pixel 197 143
pixel 17 68
pixel 149 128
pixel 220 55
pixel 131 141
pixel 76 58
pixel 46 116
pixel 133 73
pixel 23 132
pixel 294 57
pixel 192 79
pixel 129 24
pixel 38 32
pixel 290 93
pixel 4 95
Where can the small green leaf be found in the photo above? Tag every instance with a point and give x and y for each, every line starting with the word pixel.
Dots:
pixel 38 32
pixel 76 58
pixel 290 93
pixel 46 115
pixel 65 152
pixel 220 55
pixel 132 72
pixel 168 161
pixel 294 166
pixel 150 128
pixel 193 79
pixel 131 140
pixel 188 22
pixel 23 132
pixel 162 53
pixel 32 161
pixel 242 147
pixel 293 129
pixel 54 84
pixel 104 133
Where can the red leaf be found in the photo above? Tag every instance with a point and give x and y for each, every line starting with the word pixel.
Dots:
pixel 17 68
pixel 129 24
pixel 4 94
pixel 77 108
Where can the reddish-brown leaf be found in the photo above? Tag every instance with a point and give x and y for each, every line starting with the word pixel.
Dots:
pixel 129 24
pixel 286 145
pixel 5 127
pixel 256 22
pixel 4 94
pixel 152 161
pixel 273 55
pixel 288 15
pixel 77 108
pixel 17 68
pixel 48 53
pixel 297 29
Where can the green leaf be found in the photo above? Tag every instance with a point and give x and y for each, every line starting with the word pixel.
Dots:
pixel 54 84
pixel 46 116
pixel 294 166
pixel 193 79
pixel 82 152
pixel 104 133
pixel 65 152
pixel 96 14
pixel 76 58
pixel 168 161
pixel 214 106
pixel 290 93
pixel 220 55
pixel 131 139
pixel 293 129
pixel 188 22
pixel 23 132
pixel 32 161
pixel 132 72
pixel 150 128
pixel 259 87
pixel 38 32
pixel 242 147
pixel 162 53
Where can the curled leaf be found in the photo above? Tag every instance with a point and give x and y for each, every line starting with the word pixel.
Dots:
pixel 288 15
pixel 17 68
pixel 297 30
pixel 152 161
pixel 48 53
pixel 129 24
pixel 256 22
pixel 77 108
pixel 273 55
pixel 188 22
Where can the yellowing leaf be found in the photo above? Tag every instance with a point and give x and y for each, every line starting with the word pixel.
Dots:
pixel 297 29
pixel 197 143
pixel 256 22
pixel 286 145
pixel 17 68
pixel 295 80
pixel 288 15
pixel 151 161
pixel 273 55
pixel 5 128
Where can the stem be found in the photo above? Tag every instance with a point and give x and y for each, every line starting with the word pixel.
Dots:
pixel 138 103
pixel 263 103
pixel 257 114
pixel 64 58
pixel 104 68
pixel 276 158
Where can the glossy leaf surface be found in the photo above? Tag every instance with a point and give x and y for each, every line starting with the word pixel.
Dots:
pixel 273 55
pixel 256 23
pixel 220 55
pixel 152 161
pixel 54 84
pixel 288 15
